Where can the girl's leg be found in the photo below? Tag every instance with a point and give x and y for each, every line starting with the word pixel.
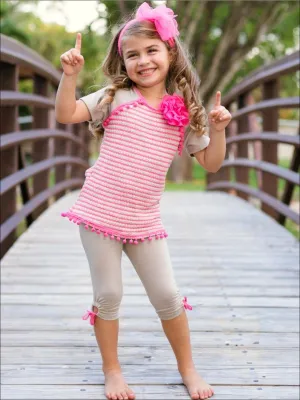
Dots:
pixel 152 262
pixel 104 257
pixel 178 334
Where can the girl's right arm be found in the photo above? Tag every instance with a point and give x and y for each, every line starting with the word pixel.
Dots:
pixel 68 110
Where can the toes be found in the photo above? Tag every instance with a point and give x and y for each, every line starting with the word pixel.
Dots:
pixel 195 396
pixel 108 395
pixel 203 394
pixel 124 394
pixel 130 394
pixel 118 396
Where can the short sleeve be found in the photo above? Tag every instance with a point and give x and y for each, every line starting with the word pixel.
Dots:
pixel 91 101
pixel 194 143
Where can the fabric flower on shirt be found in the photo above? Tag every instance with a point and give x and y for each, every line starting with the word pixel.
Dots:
pixel 174 110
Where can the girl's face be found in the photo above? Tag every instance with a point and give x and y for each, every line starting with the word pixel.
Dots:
pixel 146 60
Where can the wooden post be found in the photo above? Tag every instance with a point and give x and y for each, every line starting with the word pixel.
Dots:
pixel 241 173
pixel 76 171
pixel 24 186
pixel 269 149
pixel 289 186
pixel 85 140
pixel 9 157
pixel 224 173
pixel 40 149
pixel 60 149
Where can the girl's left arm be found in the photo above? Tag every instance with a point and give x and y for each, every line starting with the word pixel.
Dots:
pixel 212 157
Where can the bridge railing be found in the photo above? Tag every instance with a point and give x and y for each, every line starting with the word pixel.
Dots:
pixel 243 135
pixel 40 159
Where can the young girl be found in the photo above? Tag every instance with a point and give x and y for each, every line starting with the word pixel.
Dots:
pixel 148 112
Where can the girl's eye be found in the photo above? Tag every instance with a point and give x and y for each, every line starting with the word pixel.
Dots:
pixel 133 55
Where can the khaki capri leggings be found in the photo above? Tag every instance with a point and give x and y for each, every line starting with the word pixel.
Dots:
pixel 151 260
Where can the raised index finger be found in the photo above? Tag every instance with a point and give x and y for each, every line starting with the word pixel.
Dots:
pixel 78 42
pixel 218 99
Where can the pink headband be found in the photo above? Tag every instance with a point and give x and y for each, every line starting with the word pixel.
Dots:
pixel 163 18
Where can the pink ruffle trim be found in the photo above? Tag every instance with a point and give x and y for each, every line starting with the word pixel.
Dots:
pixel 92 316
pixel 113 235
pixel 180 146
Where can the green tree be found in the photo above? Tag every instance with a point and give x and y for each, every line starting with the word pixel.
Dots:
pixel 220 35
pixel 50 40
pixel 8 26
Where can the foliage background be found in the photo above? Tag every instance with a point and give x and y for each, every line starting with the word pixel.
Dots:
pixel 281 37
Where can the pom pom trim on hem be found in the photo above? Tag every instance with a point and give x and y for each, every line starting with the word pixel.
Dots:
pixel 112 234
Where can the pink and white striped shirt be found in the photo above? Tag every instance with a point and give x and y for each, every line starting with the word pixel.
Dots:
pixel 121 194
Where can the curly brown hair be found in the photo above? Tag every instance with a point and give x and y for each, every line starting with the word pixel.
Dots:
pixel 181 78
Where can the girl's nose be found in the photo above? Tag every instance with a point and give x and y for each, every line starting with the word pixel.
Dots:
pixel 143 60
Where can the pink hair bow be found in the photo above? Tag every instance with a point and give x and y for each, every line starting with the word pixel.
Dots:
pixel 186 305
pixel 163 19
pixel 91 315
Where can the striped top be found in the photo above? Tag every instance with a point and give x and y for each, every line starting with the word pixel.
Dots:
pixel 122 190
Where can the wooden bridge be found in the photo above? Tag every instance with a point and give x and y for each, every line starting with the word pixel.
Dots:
pixel 238 268
pixel 238 264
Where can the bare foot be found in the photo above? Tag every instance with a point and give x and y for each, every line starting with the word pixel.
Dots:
pixel 115 386
pixel 196 385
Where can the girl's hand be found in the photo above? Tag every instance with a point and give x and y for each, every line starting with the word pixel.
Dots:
pixel 72 61
pixel 219 117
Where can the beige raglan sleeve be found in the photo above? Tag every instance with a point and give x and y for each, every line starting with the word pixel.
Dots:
pixel 194 143
pixel 91 100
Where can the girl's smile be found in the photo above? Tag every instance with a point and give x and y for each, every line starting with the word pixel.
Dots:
pixel 147 72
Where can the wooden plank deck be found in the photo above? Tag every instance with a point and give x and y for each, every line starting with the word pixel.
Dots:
pixel 238 268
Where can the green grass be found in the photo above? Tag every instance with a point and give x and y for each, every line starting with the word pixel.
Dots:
pixel 195 185
pixel 293 228
pixel 21 228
